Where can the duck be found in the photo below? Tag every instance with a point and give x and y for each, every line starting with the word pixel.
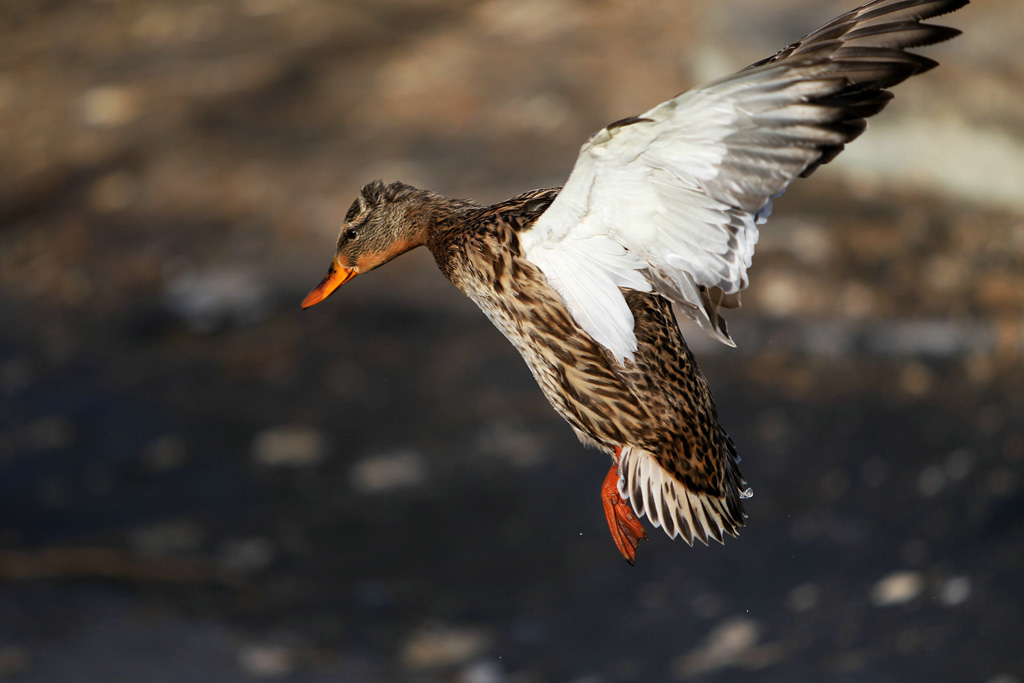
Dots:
pixel 659 215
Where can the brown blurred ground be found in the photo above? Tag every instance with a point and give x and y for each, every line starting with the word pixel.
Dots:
pixel 198 481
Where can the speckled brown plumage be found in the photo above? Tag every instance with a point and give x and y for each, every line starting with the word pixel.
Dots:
pixel 658 402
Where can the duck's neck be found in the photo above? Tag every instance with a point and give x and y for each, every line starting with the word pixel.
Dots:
pixel 433 218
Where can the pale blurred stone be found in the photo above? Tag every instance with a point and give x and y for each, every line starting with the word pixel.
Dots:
pixel 726 643
pixel 976 163
pixel 109 106
pixel 522 447
pixel 381 473
pixel 809 242
pixel 527 20
pixel 266 661
pixel 1004 678
pixel 780 294
pixel 955 591
pixel 485 671
pixel 897 588
pixel 289 447
pixel 441 646
pixel 218 297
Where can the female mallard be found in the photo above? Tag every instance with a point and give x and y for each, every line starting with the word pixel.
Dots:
pixel 660 208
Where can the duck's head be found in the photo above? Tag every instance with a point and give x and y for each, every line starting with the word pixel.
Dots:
pixel 383 222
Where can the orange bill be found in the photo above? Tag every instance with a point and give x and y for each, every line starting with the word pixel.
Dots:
pixel 336 277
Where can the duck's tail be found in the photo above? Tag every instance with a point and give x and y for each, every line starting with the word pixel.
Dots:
pixel 668 503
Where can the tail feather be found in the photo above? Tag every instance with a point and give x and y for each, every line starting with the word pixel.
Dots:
pixel 670 505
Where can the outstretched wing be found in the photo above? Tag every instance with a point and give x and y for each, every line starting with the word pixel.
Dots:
pixel 670 200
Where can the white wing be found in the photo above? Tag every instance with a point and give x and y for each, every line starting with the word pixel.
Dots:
pixel 670 200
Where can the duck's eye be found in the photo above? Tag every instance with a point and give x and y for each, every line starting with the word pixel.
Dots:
pixel 350 233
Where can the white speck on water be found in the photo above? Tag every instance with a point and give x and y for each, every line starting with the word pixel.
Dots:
pixel 747 493
pixel 897 588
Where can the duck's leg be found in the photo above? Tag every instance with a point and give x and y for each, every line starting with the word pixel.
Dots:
pixel 625 527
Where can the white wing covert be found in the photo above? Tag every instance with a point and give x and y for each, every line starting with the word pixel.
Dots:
pixel 670 200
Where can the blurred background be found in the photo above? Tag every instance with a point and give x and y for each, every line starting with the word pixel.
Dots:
pixel 199 481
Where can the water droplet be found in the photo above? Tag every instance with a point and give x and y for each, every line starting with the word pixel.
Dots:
pixel 747 493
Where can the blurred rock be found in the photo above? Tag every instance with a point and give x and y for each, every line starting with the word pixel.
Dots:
pixel 210 300
pixel 972 163
pixel 289 447
pixel 266 661
pixel 955 591
pixel 724 646
pixel 1004 678
pixel 486 671
pixel 377 474
pixel 436 647
pixel 897 588
pixel 109 106
pixel 520 446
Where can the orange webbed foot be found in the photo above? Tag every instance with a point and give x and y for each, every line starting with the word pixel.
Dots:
pixel 625 527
